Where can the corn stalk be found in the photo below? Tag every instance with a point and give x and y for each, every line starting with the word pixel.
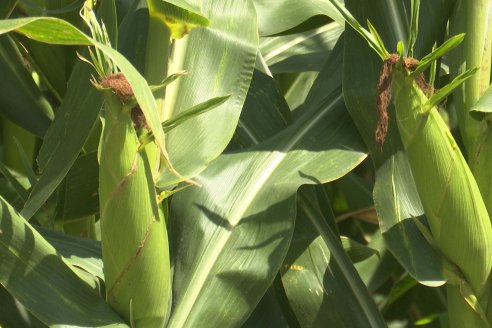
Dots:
pixel 474 19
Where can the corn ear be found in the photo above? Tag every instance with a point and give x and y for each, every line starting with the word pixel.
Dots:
pixel 133 230
pixel 455 210
pixel 457 216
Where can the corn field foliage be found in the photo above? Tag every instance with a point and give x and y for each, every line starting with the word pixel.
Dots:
pixel 253 163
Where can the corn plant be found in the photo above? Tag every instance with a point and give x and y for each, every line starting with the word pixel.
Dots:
pixel 208 163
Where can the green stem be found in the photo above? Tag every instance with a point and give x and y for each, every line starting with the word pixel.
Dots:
pixel 472 18
pixel 157 56
pixel 156 70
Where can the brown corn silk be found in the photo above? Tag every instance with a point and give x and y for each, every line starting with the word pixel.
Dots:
pixel 384 91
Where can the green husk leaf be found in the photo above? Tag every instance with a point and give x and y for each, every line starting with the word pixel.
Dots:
pixel 185 116
pixel 376 35
pixel 168 80
pixel 425 62
pixel 80 252
pixel 193 112
pixel 433 72
pixel 400 48
pixel 436 98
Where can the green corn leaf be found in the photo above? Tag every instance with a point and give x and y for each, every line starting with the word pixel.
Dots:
pixel 32 270
pixel 223 66
pixel 80 190
pixel 293 13
pixel 232 216
pixel 436 98
pixel 6 8
pixel 433 72
pixel 66 136
pixel 426 61
pixel 168 80
pixel 19 188
pixel 21 100
pixel 26 165
pixel 414 26
pixel 403 285
pixel 239 184
pixel 57 31
pixel 357 252
pixel 483 107
pixel 184 116
pixel 316 261
pixel 52 30
pixel 193 112
pixel 300 52
pixel 376 35
pixel 156 88
pixel 372 40
pixel 400 48
pixel 178 15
